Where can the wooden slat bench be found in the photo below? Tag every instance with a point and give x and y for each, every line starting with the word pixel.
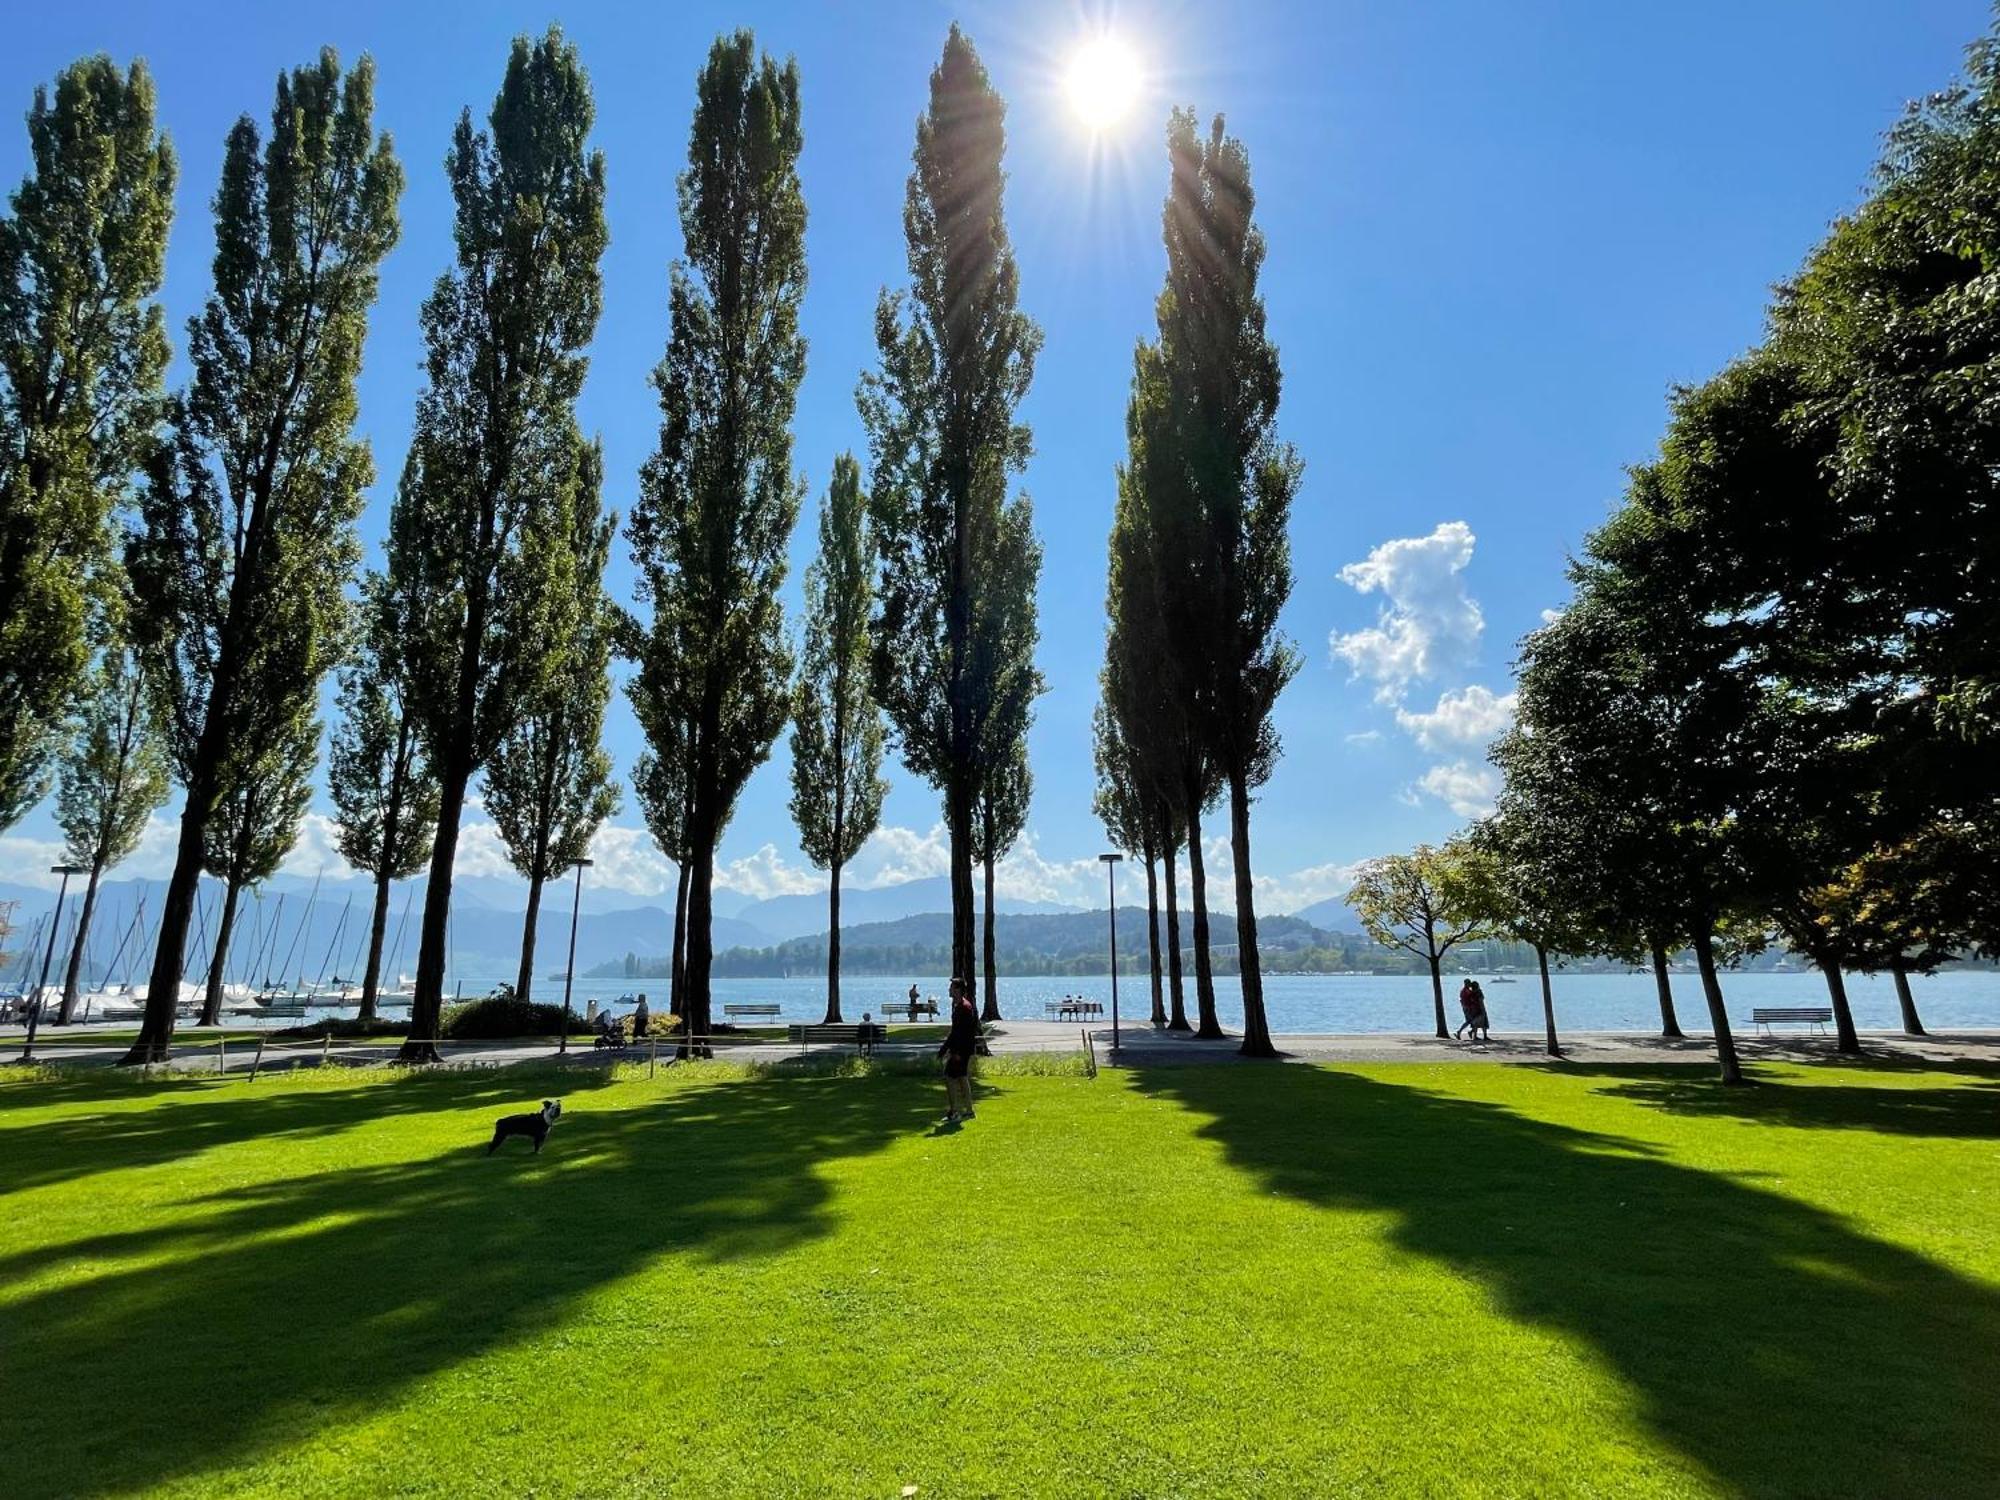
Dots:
pixel 858 1034
pixel 751 1010
pixel 1765 1017
pixel 910 1012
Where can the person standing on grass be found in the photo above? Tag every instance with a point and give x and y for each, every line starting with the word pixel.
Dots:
pixel 957 1051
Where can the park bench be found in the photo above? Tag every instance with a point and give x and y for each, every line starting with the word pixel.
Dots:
pixel 856 1034
pixel 750 1010
pixel 1072 1010
pixel 1765 1017
pixel 909 1011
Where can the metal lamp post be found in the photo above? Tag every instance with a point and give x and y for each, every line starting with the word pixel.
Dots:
pixel 569 969
pixel 1111 887
pixel 48 956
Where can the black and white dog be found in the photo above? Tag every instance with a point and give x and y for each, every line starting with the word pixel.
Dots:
pixel 535 1127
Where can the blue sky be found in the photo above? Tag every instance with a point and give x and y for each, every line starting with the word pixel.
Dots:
pixel 1497 236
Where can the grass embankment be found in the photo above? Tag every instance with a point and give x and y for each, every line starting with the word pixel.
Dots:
pixel 1197 1280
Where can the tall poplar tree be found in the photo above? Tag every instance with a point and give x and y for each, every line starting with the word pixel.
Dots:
pixel 247 541
pixel 549 786
pixel 1124 807
pixel 113 778
pixel 82 350
pixel 718 500
pixel 254 828
pixel 1224 534
pixel 837 785
pixel 384 796
pixel 1005 632
pixel 1005 792
pixel 478 533
pixel 1151 684
pixel 659 781
pixel 956 358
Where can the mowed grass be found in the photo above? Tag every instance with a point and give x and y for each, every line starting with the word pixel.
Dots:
pixel 1221 1280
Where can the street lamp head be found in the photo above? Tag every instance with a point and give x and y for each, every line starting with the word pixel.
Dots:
pixel 1111 859
pixel 68 869
pixel 583 864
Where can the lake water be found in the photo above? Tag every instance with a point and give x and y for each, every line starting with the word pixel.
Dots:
pixel 1362 1003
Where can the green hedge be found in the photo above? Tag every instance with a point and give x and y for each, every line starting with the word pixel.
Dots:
pixel 499 1015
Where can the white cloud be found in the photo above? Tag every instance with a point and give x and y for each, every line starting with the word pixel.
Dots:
pixel 1468 719
pixel 1466 789
pixel 1365 737
pixel 1550 616
pixel 766 873
pixel 1428 624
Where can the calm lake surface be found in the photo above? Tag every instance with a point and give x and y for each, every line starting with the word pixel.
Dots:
pixel 1362 1003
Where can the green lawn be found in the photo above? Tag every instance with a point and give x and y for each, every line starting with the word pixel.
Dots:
pixel 1195 1280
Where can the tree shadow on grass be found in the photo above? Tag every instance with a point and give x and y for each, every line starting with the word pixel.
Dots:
pixel 287 1310
pixel 182 1117
pixel 1966 1111
pixel 1765 1340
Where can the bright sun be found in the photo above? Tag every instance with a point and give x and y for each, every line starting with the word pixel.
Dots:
pixel 1103 82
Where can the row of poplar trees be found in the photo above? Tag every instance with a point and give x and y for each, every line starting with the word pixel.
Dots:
pixel 1200 570
pixel 1771 710
pixel 483 646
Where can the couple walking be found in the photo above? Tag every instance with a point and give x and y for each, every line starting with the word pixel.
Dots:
pixel 1472 1001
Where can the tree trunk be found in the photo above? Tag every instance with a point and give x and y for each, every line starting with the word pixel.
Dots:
pixel 1548 1002
pixel 991 1010
pixel 378 927
pixel 525 981
pixel 1437 998
pixel 427 1000
pixel 1256 1028
pixel 958 817
pixel 1846 1038
pixel 1204 972
pixel 700 939
pixel 1718 1017
pixel 211 1005
pixel 833 945
pixel 1912 1024
pixel 1177 1014
pixel 1153 934
pixel 1670 1024
pixel 73 977
pixel 163 985
pixel 679 966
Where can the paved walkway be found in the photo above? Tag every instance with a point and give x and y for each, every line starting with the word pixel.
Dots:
pixel 1142 1046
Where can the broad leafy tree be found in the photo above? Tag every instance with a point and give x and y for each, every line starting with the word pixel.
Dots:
pixel 837 785
pixel 479 532
pixel 246 541
pixel 549 786
pixel 385 798
pixel 82 350
pixel 1426 902
pixel 956 358
pixel 253 829
pixel 718 499
pixel 113 778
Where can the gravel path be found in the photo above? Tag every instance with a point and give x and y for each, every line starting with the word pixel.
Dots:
pixel 1142 1046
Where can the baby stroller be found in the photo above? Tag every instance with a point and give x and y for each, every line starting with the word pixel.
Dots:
pixel 610 1032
